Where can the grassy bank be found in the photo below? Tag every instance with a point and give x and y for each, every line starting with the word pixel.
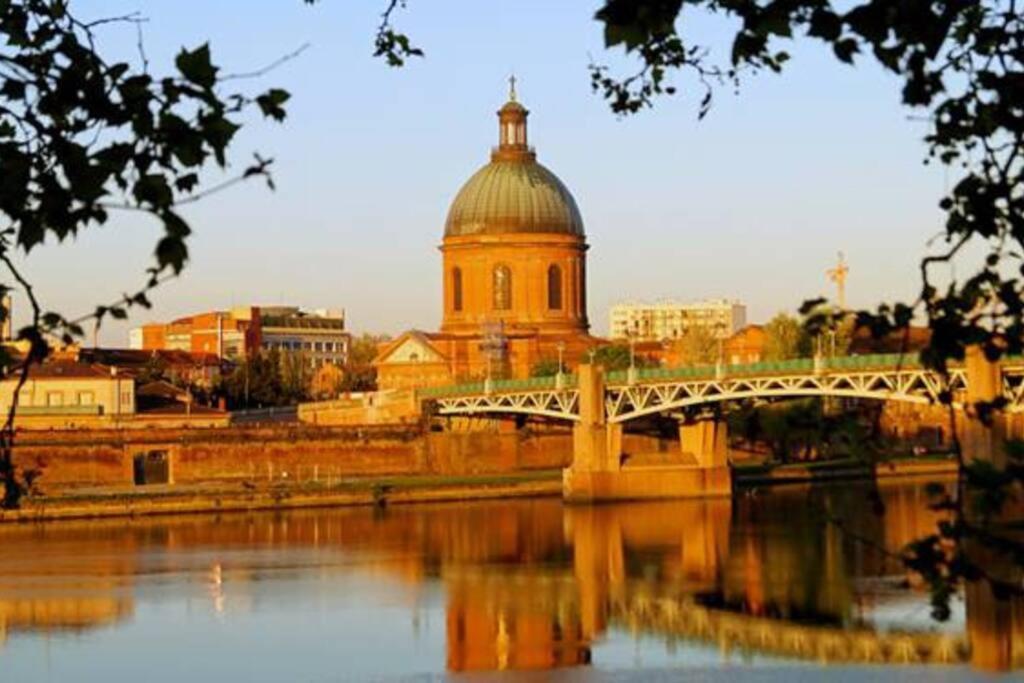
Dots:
pixel 768 474
pixel 155 500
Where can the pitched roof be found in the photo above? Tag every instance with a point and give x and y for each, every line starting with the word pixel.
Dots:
pixel 139 358
pixel 65 369
pixel 421 339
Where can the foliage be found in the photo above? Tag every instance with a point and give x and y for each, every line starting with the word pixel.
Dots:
pixel 785 338
pixel 616 357
pixel 547 367
pixel 804 430
pixel 327 382
pixel 267 379
pixel 978 540
pixel 698 346
pixel 82 138
pixel 296 375
pixel 360 375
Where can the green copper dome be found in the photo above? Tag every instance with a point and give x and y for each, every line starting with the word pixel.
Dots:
pixel 515 195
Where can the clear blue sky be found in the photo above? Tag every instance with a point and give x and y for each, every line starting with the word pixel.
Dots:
pixel 753 202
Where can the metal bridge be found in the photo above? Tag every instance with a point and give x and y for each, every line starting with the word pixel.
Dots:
pixel 636 393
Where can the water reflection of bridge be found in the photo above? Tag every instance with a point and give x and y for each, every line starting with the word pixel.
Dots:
pixel 684 618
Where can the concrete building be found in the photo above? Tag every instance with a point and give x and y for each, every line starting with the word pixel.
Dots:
pixel 63 388
pixel 672 320
pixel 318 335
pixel 231 334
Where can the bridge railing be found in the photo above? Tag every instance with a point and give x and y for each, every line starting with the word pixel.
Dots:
pixel 696 372
pixel 780 367
pixel 504 386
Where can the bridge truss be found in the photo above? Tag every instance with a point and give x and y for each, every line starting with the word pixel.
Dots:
pixel 554 403
pixel 628 402
pixel 624 402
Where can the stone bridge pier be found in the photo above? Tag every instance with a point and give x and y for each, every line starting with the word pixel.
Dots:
pixel 598 473
pixel 706 440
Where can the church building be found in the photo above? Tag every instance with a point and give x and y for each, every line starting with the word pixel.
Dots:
pixel 514 275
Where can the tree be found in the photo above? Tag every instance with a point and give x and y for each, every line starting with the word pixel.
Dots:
pixel 327 382
pixel 296 376
pixel 545 368
pixel 360 374
pixel 82 138
pixel 269 378
pixel 617 357
pixel 698 346
pixel 785 338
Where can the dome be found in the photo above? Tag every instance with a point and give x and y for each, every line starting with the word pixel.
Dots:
pixel 515 195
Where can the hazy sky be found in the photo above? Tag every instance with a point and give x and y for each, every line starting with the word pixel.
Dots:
pixel 752 203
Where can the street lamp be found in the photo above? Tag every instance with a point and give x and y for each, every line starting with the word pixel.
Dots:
pixel 488 382
pixel 720 364
pixel 631 375
pixel 559 378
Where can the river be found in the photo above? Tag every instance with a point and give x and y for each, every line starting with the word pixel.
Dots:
pixel 763 586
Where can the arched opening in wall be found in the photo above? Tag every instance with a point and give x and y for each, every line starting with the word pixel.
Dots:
pixel 554 288
pixel 502 288
pixel 457 289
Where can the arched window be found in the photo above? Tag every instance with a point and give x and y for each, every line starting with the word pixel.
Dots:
pixel 554 288
pixel 457 289
pixel 502 283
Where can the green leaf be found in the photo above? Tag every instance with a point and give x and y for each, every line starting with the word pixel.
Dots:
pixel 196 67
pixel 174 225
pixel 172 253
pixel 270 103
pixel 13 89
pixel 845 49
pixel 152 189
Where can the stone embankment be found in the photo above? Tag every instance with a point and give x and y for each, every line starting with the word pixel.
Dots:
pixel 86 472
pixel 246 496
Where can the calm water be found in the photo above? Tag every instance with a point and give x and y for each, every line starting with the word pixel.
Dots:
pixel 762 587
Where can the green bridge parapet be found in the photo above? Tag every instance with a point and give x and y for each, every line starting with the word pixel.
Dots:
pixel 696 372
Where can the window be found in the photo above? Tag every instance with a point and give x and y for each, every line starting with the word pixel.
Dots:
pixel 457 289
pixel 502 288
pixel 86 398
pixel 54 398
pixel 554 288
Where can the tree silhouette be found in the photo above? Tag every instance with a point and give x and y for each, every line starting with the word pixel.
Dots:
pixel 82 138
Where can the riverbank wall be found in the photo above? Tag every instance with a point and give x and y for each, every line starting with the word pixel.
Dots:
pixel 73 460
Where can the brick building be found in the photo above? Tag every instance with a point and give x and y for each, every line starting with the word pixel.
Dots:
pixel 514 274
pixel 319 335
